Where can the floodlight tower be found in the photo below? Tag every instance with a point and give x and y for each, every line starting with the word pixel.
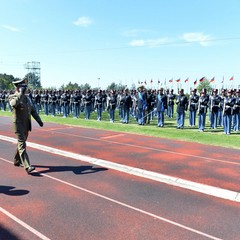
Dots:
pixel 34 71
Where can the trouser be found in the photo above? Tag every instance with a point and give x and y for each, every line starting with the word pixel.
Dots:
pixel 140 116
pixel 236 121
pixel 87 111
pixel 21 155
pixel 180 119
pixel 160 116
pixel 227 123
pixel 201 121
pixel 192 117
pixel 170 111
pixel 112 114
pixel 99 113
pixel 126 113
pixel 213 119
pixel 220 117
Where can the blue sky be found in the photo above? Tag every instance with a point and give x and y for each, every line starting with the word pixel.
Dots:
pixel 122 41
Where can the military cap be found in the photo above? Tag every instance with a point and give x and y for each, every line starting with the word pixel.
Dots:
pixel 20 81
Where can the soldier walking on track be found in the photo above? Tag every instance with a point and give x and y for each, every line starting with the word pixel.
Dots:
pixel 23 109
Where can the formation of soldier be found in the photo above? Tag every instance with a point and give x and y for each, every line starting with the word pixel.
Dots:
pixel 144 105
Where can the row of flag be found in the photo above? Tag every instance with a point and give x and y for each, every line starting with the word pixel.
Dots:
pixel 186 81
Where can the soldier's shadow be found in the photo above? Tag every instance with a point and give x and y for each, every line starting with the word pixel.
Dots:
pixel 75 169
pixel 11 191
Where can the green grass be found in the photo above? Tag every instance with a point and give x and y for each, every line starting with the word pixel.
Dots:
pixel 190 134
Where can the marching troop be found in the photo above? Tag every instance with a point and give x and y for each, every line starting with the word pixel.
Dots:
pixel 222 107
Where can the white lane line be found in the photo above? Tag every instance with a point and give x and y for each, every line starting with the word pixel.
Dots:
pixel 127 206
pixel 150 148
pixel 173 181
pixel 23 224
pixel 113 136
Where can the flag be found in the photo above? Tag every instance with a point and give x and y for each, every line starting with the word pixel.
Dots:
pixel 231 79
pixel 213 79
pixel 186 80
pixel 178 80
pixel 158 81
pixel 151 81
pixel 145 82
pixel 202 79
pixel 170 80
pixel 195 82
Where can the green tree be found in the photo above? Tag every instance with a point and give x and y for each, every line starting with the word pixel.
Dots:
pixel 6 81
pixel 112 86
pixel 84 87
pixel 204 85
pixel 71 86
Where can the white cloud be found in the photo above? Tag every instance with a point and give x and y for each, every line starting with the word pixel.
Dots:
pixel 199 37
pixel 150 42
pixel 13 29
pixel 83 21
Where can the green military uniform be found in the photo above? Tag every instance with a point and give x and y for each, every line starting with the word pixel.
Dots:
pixel 22 111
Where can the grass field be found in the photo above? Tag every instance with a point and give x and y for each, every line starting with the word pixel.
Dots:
pixel 214 137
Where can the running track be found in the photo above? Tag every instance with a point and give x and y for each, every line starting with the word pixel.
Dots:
pixel 94 184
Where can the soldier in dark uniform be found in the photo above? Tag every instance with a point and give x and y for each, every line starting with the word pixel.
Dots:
pixel 3 99
pixel 87 101
pixel 23 109
pixel 214 106
pixel 53 102
pixel 44 100
pixel 64 103
pixel 161 105
pixel 182 105
pixel 98 105
pixel 104 97
pixel 126 104
pixel 76 99
pixel 202 110
pixel 236 112
pixel 36 98
pixel 111 105
pixel 151 102
pixel 170 103
pixel 8 103
pixel 141 104
pixel 220 111
pixel 229 102
pixel 192 107
pixel 120 104
pixel 58 102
